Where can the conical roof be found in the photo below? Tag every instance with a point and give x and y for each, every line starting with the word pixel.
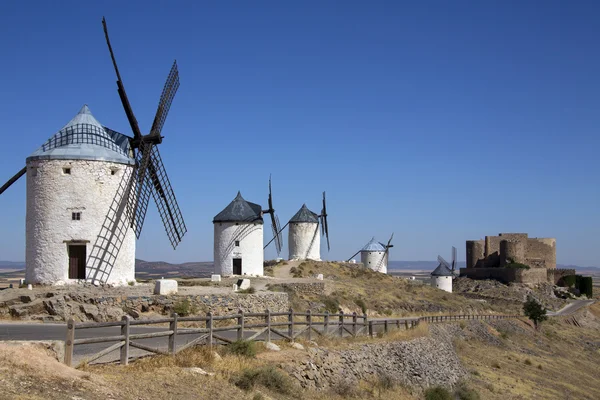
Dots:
pixel 305 215
pixel 240 210
pixel 441 270
pixel 84 138
pixel 374 245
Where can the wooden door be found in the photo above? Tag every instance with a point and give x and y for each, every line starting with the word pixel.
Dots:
pixel 77 261
pixel 237 266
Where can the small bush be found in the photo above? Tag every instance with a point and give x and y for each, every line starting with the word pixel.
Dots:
pixel 184 308
pixel 528 362
pixel 539 366
pixel 475 372
pixel 204 283
pixel 363 306
pixel 332 305
pixel 495 365
pixel 388 312
pixel 504 335
pixel 345 389
pixel 462 392
pixel 269 377
pixel 258 396
pixel 250 290
pixel 385 382
pixel 131 283
pixel 243 348
pixel 438 393
pixel 534 311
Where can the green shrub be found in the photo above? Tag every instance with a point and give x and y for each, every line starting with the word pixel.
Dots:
pixel 517 265
pixel 184 308
pixel 205 283
pixel 345 389
pixel 250 290
pixel 539 366
pixel 438 393
pixel 268 376
pixel 569 281
pixel 363 306
pixel 586 286
pixel 243 348
pixel 332 305
pixel 462 392
pixel 528 362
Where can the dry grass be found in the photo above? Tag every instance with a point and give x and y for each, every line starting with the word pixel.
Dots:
pixel 554 363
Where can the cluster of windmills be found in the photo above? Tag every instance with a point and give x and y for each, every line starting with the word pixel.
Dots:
pixel 88 190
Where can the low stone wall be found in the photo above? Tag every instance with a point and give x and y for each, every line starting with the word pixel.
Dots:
pixel 421 363
pixel 507 275
pixel 308 288
pixel 109 308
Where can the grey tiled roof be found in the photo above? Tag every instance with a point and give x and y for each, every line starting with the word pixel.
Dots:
pixel 441 270
pixel 374 245
pixel 305 215
pixel 84 138
pixel 240 210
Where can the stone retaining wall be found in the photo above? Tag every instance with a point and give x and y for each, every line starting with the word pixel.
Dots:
pixel 308 288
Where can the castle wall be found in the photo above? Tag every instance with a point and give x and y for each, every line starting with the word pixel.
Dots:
pixel 507 275
pixel 541 252
pixel 250 248
pixel 511 251
pixel 304 241
pixel 475 253
pixel 52 196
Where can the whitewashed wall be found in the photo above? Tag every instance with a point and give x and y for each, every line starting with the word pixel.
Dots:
pixel 442 282
pixel 250 249
pixel 52 196
pixel 304 241
pixel 376 260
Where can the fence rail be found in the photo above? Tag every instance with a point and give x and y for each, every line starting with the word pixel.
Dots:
pixel 281 325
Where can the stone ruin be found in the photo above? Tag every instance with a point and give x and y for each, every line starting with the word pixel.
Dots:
pixel 493 258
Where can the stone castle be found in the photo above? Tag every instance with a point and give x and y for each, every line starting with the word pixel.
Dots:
pixel 498 257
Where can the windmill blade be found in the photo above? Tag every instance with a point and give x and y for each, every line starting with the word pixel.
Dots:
pixel 137 134
pixel 13 180
pixel 389 243
pixel 166 98
pixel 140 197
pixel 165 200
pixel 453 258
pixel 270 201
pixel 324 225
pixel 354 255
pixel 274 236
pixel 276 228
pixel 443 262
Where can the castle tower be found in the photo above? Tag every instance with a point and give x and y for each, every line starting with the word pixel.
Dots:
pixel 72 182
pixel 303 236
pixel 374 256
pixel 441 278
pixel 238 247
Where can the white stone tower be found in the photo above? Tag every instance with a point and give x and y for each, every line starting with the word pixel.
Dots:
pixel 441 278
pixel 239 239
pixel 374 256
pixel 73 181
pixel 304 240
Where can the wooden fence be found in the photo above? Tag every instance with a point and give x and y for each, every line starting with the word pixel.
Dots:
pixel 284 325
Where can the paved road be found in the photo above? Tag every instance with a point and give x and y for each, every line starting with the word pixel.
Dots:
pixel 570 308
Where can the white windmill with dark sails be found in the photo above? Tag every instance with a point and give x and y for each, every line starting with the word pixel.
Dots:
pixel 238 240
pixel 375 255
pixel 304 241
pixel 88 189
pixel 441 277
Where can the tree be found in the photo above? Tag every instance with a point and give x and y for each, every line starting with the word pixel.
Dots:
pixel 534 311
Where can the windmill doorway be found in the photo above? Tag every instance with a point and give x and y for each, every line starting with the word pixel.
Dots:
pixel 77 257
pixel 237 266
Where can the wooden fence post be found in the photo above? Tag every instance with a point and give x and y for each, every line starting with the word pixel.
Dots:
pixel 406 324
pixel 291 324
pixel 385 326
pixel 70 342
pixel 326 323
pixel 371 328
pixel 354 322
pixel 173 336
pixel 341 319
pixel 209 326
pixel 268 321
pixel 365 321
pixel 125 347
pixel 309 322
pixel 240 331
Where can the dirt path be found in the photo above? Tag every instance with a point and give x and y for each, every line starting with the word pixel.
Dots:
pixel 283 271
pixel 571 308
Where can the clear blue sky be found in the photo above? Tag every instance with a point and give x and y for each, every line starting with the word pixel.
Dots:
pixel 439 121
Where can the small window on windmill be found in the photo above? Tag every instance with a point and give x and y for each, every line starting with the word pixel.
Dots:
pixel 237 243
pixel 113 171
pixel 33 171
pixel 76 216
pixel 67 170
